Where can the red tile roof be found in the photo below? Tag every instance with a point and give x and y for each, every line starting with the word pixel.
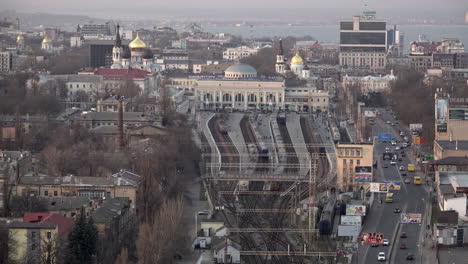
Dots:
pixel 119 74
pixel 65 224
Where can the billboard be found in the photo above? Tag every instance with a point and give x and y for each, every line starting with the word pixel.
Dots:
pixel 8 133
pixel 410 218
pixel 441 114
pixel 351 220
pixel 378 187
pixel 355 210
pixel 385 137
pixel 348 230
pixel 372 238
pixel 393 185
pixel 420 140
pixel 363 173
pixel 369 113
pixel 346 248
pixel 415 127
pixel 458 114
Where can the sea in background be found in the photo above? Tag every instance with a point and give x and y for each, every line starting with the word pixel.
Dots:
pixel 330 33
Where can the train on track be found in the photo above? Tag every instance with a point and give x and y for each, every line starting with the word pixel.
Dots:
pixel 335 133
pixel 327 216
pixel 243 185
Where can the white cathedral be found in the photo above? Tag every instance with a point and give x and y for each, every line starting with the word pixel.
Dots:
pixel 139 57
pixel 297 64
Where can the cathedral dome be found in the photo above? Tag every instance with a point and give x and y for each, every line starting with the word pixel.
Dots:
pixel 137 43
pixel 46 40
pixel 297 59
pixel 240 70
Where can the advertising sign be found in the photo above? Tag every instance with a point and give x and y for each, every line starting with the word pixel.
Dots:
pixel 348 230
pixel 420 140
pixel 415 127
pixel 385 137
pixel 393 185
pixel 363 173
pixel 351 220
pixel 372 238
pixel 410 218
pixel 346 248
pixel 378 187
pixel 441 114
pixel 369 113
pixel 355 210
pixel 8 133
pixel 458 114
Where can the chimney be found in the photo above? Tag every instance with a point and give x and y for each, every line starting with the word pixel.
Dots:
pixel 120 136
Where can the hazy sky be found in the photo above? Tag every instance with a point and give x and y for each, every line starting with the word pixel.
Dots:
pixel 56 5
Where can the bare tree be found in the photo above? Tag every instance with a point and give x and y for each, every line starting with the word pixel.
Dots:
pixel 156 241
pixel 50 249
pixel 122 258
pixel 8 245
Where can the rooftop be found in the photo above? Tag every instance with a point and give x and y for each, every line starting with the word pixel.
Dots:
pixel 453 145
pixel 106 116
pixel 64 224
pixel 458 179
pixel 109 209
pixel 69 180
pixel 32 225
pixel 118 74
pixel 451 161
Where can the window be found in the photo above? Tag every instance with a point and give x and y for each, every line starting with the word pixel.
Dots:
pixel 46 193
pixel 33 246
pixel 49 235
pixel 350 170
pixel 33 235
pixel 358 153
pixel 350 162
pixel 55 193
pixel 344 161
pixel 358 162
pixel 352 152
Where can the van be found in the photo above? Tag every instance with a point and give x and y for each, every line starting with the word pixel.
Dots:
pixel 417 180
pixel 411 168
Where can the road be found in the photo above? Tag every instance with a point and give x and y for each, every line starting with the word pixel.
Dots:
pixel 410 199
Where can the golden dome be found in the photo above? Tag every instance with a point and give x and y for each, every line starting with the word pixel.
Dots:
pixel 137 43
pixel 46 40
pixel 20 38
pixel 297 59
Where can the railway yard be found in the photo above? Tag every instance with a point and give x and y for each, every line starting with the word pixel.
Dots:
pixel 267 175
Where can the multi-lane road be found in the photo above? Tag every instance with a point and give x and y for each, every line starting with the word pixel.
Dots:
pixel 410 199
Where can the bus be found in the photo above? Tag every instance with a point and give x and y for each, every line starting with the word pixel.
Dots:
pixel 411 167
pixel 417 180
pixel 389 198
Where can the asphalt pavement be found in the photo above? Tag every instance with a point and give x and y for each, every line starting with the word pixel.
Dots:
pixel 410 199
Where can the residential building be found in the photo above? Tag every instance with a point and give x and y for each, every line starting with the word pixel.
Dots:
pixel 32 240
pixel 67 206
pixel 363 42
pixel 306 99
pixel 452 190
pixel 76 41
pixel 64 224
pixel 370 84
pixel 354 165
pixel 451 122
pixel 451 46
pixel 76 84
pixel 66 186
pixel 110 104
pixel 97 119
pixel 114 222
pixel 447 148
pixel 93 31
pixel 420 61
pixel 6 61
pixel 235 54
pixel 461 60
pixel 443 60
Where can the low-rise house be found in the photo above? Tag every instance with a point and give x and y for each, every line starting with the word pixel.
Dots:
pixel 452 190
pixel 111 104
pixel 227 251
pixel 96 119
pixel 64 224
pixel 66 186
pixel 33 240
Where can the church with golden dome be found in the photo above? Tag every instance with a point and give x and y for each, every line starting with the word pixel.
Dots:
pixel 297 65
pixel 139 55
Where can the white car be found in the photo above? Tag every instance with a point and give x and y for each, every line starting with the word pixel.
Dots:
pixel 381 256
pixel 397 148
pixel 387 149
pixel 388 122
pixel 405 138
pixel 402 168
pixel 405 145
pixel 392 162
pixel 402 133
pixel 385 242
pixel 393 142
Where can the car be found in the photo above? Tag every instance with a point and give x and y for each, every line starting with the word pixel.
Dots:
pixel 403 246
pixel 385 165
pixel 407 181
pixel 400 159
pixel 393 124
pixel 381 256
pixel 397 210
pixel 403 174
pixel 392 162
pixel 403 155
pixel 402 168
pixel 393 142
pixel 406 138
pixel 397 148
pixel 403 235
pixel 386 242
pixel 405 145
pixel 402 133
pixel 388 122
pixel 387 148
pixel 410 257
pixel 374 245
